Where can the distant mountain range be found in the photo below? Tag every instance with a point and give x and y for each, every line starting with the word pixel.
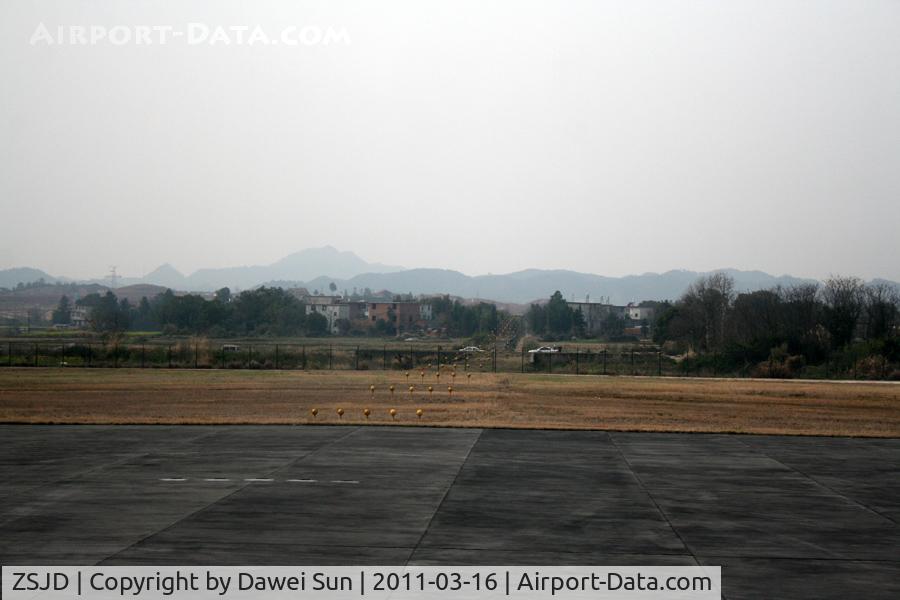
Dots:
pixel 534 284
pixel 317 268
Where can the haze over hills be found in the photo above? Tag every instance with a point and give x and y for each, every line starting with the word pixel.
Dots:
pixel 10 278
pixel 534 284
pixel 316 268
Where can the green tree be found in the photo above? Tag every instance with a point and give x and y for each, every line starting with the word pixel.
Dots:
pixel 61 316
pixel 316 324
pixel 107 315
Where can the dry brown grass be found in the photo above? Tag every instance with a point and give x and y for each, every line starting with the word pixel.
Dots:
pixel 488 400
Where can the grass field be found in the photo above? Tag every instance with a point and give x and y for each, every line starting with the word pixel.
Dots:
pixel 110 396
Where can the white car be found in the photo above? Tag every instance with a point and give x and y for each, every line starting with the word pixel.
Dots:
pixel 471 349
pixel 544 349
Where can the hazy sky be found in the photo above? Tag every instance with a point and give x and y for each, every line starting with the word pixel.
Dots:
pixel 484 136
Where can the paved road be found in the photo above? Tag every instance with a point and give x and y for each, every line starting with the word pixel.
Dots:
pixel 787 517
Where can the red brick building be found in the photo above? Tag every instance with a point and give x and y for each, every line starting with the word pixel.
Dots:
pixel 403 315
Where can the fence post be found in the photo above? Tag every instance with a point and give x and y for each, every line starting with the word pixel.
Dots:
pixel 883 366
pixel 412 363
pixel 249 355
pixel 384 358
pixel 357 358
pixel 35 355
pixel 715 364
pixel 604 360
pixel 633 372
pixel 439 359
pixel 143 356
pixel 523 359
pixel 331 357
pixel 169 353
pixel 303 356
pixel 116 356
pixel 90 355
pixel 495 359
pixel 9 350
pixel 549 362
pixel 276 356
pixel 576 361
pixel 196 353
pixel 63 357
pixel 223 356
pixel 659 363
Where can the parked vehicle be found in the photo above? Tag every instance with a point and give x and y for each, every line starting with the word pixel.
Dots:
pixel 471 349
pixel 544 349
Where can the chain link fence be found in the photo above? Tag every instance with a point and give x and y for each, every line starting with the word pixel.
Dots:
pixel 622 362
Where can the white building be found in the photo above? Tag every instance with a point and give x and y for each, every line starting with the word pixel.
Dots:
pixel 78 316
pixel 639 313
pixel 425 312
pixel 331 312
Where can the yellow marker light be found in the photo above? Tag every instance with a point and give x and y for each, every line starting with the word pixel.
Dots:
pixel 340 413
pixel 419 413
pixel 367 412
pixel 392 390
pixel 450 389
pixel 393 413
pixel 315 412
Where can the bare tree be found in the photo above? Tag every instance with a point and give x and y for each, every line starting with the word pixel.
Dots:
pixel 881 310
pixel 706 305
pixel 802 319
pixel 844 299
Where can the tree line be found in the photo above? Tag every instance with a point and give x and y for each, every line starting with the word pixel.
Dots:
pixel 808 323
pixel 266 311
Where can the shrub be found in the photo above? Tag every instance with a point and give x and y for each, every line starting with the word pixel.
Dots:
pixel 794 363
pixel 770 369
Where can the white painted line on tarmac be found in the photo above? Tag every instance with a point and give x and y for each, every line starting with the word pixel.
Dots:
pixel 256 480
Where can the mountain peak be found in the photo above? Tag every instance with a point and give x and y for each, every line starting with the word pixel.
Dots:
pixel 165 275
pixel 165 269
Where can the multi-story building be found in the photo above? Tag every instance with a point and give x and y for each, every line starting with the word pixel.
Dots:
pixel 334 311
pixel 425 312
pixel 79 316
pixel 594 313
pixel 403 315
